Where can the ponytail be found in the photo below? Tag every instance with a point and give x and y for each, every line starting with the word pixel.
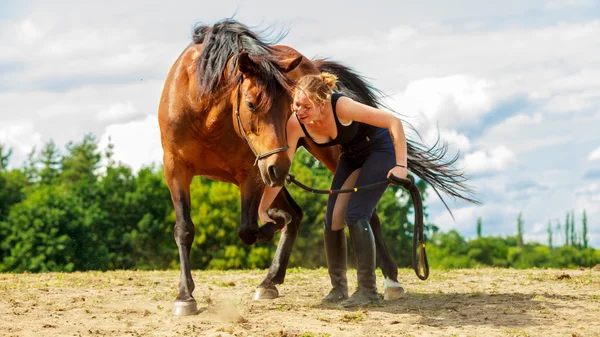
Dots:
pixel 317 86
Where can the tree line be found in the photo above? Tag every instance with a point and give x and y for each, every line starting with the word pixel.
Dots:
pixel 76 209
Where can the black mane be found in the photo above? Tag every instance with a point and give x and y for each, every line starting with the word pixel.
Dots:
pixel 227 39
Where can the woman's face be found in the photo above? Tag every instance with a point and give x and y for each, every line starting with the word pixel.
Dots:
pixel 306 109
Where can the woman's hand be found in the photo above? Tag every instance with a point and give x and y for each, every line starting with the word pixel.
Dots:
pixel 399 172
pixel 264 217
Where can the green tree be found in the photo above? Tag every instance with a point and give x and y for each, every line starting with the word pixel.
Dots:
pixel 520 229
pixel 150 235
pixel 567 229
pixel 4 156
pixel 585 230
pixel 572 227
pixel 50 161
pixel 479 225
pixel 81 162
pixel 51 230
pixel 549 230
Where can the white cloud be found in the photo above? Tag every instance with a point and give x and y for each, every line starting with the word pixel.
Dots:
pixel 136 143
pixel 117 111
pixel 570 102
pixel 496 159
pixel 451 101
pixel 21 137
pixel 522 121
pixel 594 155
pixel 590 189
pixel 562 4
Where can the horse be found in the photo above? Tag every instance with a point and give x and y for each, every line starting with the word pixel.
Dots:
pixel 222 115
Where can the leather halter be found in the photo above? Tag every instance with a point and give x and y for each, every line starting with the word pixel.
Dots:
pixel 244 134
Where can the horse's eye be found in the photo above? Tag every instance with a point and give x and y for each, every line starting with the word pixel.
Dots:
pixel 250 106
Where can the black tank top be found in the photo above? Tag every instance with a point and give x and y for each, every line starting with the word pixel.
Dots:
pixel 347 135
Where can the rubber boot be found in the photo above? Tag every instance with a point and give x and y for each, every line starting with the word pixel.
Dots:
pixel 335 251
pixel 363 243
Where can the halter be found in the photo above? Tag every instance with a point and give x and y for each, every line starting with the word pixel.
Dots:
pixel 245 136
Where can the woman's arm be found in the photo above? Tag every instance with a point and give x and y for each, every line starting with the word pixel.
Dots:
pixel 294 133
pixel 350 110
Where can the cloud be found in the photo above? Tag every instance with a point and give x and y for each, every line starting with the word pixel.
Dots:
pixel 136 143
pixel 21 137
pixel 588 190
pixel 570 102
pixel 563 4
pixel 481 161
pixel 594 155
pixel 451 101
pixel 117 111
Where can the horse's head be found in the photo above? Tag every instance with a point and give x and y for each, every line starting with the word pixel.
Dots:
pixel 261 104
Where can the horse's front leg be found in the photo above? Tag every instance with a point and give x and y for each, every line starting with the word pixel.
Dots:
pixel 250 195
pixel 276 274
pixel 392 288
pixel 179 178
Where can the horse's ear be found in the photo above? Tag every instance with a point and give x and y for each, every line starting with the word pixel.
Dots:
pixel 246 64
pixel 292 65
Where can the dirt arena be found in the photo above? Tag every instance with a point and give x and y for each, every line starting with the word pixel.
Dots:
pixel 478 302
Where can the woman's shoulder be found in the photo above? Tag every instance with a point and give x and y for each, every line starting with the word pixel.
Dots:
pixel 293 126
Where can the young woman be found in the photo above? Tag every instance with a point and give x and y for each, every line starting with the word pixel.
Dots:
pixel 373 147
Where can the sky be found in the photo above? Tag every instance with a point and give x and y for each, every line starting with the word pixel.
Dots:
pixel 513 86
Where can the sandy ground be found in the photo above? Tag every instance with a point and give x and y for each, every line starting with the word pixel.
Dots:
pixel 479 302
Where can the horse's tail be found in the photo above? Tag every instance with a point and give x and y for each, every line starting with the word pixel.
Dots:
pixel 428 164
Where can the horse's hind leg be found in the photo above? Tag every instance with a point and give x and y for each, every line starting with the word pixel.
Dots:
pixel 179 178
pixel 392 288
pixel 276 273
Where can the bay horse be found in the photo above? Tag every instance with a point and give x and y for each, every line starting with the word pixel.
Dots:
pixel 223 114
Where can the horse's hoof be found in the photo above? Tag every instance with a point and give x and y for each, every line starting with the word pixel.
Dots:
pixel 265 294
pixel 185 308
pixel 248 235
pixel 266 232
pixel 393 293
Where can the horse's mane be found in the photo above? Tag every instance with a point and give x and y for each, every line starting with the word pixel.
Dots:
pixel 227 39
pixel 427 163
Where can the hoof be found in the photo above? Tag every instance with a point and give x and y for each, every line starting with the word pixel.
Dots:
pixel 265 294
pixel 393 293
pixel 185 308
pixel 248 235
pixel 266 232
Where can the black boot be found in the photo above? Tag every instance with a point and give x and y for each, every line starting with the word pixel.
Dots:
pixel 335 251
pixel 363 243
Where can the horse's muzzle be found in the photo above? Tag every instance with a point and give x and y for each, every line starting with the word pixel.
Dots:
pixel 273 172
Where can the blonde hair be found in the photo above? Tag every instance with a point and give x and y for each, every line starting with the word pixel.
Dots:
pixel 318 87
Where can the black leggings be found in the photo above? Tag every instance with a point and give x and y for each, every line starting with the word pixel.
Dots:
pixel 375 158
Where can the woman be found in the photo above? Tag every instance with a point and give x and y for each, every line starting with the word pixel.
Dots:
pixel 373 147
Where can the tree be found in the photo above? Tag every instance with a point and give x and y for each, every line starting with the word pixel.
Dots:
pixel 549 235
pixel 567 230
pixel 81 161
pixel 479 225
pixel 520 229
pixel 584 234
pixel 4 158
pixel 52 230
pixel 50 160
pixel 574 242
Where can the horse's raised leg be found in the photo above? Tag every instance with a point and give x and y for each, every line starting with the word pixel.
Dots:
pixel 179 178
pixel 392 288
pixel 276 273
pixel 250 194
